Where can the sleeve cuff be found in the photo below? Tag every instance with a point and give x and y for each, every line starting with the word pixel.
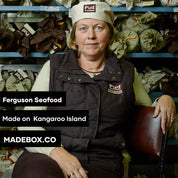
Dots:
pixel 43 150
pixel 155 102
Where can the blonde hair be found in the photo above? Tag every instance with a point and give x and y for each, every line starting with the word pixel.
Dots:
pixel 72 41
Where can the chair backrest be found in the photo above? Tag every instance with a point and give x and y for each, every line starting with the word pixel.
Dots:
pixel 146 135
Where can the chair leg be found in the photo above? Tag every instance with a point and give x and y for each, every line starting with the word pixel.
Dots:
pixel 162 154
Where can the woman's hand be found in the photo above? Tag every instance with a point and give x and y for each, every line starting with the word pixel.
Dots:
pixel 167 107
pixel 68 163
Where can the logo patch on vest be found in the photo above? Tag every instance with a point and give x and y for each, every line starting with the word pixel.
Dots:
pixel 89 8
pixel 115 88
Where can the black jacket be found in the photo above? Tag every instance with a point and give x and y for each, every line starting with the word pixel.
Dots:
pixel 109 98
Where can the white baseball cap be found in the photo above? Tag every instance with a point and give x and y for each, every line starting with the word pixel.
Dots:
pixel 92 9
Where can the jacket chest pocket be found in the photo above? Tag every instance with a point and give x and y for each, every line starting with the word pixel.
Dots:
pixel 75 91
pixel 75 94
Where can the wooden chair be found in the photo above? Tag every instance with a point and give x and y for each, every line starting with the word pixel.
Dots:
pixel 146 135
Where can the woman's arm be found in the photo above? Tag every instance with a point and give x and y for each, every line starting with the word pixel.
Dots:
pixel 165 104
pixel 141 96
pixel 41 84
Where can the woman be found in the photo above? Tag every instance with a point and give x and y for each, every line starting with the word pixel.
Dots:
pixel 95 80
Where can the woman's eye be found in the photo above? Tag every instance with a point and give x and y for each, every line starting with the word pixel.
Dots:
pixel 83 29
pixel 99 28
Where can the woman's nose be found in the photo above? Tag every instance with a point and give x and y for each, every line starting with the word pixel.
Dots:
pixel 91 34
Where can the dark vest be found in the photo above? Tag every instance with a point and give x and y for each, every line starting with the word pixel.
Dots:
pixel 109 97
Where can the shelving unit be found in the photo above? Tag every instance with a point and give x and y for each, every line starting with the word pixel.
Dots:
pixel 33 8
pixel 35 67
pixel 131 55
pixel 64 9
pixel 145 9
pixel 61 9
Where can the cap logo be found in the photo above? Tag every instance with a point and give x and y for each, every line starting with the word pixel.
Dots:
pixel 89 8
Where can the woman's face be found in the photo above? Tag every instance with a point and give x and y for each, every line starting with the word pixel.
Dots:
pixel 92 37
